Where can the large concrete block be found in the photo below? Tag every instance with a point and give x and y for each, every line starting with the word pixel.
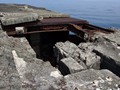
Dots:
pixel 78 53
pixel 69 66
pixel 110 56
pixel 20 18
pixel 92 80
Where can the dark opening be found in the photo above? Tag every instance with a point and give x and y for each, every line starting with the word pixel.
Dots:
pixel 43 43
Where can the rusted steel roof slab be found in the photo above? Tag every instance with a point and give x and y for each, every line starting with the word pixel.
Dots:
pixel 51 21
pixel 54 21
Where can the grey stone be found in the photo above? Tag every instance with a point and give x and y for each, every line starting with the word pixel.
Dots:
pixel 109 50
pixel 18 13
pixel 0 26
pixel 9 77
pixel 88 56
pixel 113 37
pixel 66 49
pixel 82 55
pixel 3 34
pixel 107 47
pixel 20 69
pixel 69 66
pixel 92 80
pixel 20 18
pixel 87 46
pixel 110 55
pixel 36 74
pixel 21 45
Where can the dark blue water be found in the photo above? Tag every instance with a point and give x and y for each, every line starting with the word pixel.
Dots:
pixel 105 13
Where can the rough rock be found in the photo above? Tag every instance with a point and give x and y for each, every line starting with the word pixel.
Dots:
pixel 20 69
pixel 19 18
pixel 69 66
pixel 107 48
pixel 111 37
pixel 19 13
pixel 92 80
pixel 114 37
pixel 36 74
pixel 21 45
pixel 9 77
pixel 88 56
pixel 83 56
pixel 110 55
pixel 87 46
pixel 67 49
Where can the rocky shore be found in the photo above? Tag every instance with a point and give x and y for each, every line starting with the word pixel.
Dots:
pixel 88 66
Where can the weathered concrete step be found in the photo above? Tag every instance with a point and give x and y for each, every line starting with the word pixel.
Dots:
pixel 20 18
pixel 20 69
pixel 85 58
pixel 92 80
pixel 69 66
pixel 110 58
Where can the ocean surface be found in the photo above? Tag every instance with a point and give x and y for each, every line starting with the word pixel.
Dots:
pixel 105 13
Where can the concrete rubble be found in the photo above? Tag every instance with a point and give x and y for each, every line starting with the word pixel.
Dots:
pixel 14 14
pixel 18 18
pixel 69 65
pixel 104 52
pixel 92 80
pixel 108 49
pixel 88 66
pixel 21 70
pixel 85 58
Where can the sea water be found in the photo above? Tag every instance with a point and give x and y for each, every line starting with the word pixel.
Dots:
pixel 104 13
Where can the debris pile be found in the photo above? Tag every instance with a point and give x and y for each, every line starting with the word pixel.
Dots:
pixel 103 53
pixel 14 14
pixel 91 65
pixel 21 70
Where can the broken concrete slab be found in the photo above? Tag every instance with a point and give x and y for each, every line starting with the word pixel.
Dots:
pixel 66 49
pixel 9 77
pixel 88 56
pixel 87 46
pixel 19 69
pixel 21 45
pixel 113 37
pixel 91 60
pixel 20 18
pixel 107 48
pixel 69 66
pixel 92 80
pixel 3 34
pixel 109 54
pixel 18 13
pixel 35 73
pixel 82 55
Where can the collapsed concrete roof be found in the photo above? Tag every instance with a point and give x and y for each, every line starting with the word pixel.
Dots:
pixel 19 13
pixel 21 70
